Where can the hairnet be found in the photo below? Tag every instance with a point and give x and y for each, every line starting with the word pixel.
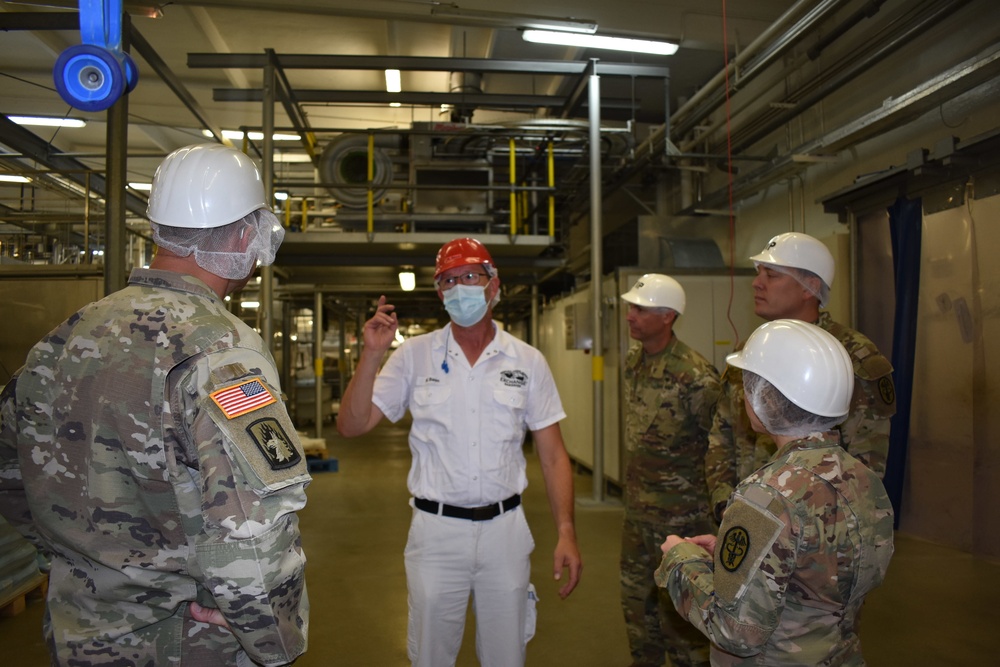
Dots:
pixel 802 277
pixel 218 249
pixel 777 414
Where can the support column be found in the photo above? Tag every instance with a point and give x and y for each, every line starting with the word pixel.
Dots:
pixel 266 311
pixel 596 272
pixel 318 359
pixel 116 180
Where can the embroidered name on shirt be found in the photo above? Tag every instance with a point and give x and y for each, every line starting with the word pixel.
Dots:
pixel 273 443
pixel 514 378
pixel 242 398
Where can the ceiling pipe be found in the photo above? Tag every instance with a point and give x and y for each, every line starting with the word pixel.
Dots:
pixel 844 76
pixel 755 65
pixel 870 9
pixel 685 117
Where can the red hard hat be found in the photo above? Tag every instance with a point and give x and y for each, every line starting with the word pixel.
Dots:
pixel 459 253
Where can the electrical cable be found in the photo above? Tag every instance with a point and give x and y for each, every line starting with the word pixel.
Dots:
pixel 729 175
pixel 444 362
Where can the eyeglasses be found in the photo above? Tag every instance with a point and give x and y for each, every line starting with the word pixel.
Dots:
pixel 470 278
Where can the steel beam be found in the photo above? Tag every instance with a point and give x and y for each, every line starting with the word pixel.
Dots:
pixel 153 59
pixel 37 149
pixel 416 98
pixel 422 64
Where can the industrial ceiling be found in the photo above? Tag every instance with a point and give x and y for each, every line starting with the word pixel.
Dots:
pixel 473 92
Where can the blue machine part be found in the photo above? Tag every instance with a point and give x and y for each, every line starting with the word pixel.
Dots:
pixel 89 77
pixel 131 73
pixel 93 75
pixel 101 23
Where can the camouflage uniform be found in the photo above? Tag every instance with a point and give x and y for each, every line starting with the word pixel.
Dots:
pixel 669 398
pixel 735 450
pixel 803 541
pixel 151 456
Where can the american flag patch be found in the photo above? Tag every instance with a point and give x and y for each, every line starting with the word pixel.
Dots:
pixel 243 398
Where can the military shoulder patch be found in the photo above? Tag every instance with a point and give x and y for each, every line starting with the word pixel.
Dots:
pixel 886 390
pixel 242 398
pixel 750 529
pixel 735 546
pixel 273 443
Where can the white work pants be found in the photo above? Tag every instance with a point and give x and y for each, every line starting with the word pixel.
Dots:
pixel 446 560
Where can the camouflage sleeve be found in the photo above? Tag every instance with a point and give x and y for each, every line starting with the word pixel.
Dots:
pixel 865 432
pixel 735 599
pixel 703 396
pixel 253 476
pixel 13 501
pixel 720 458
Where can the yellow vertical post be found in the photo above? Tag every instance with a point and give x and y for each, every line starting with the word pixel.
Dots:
pixel 305 213
pixel 288 212
pixel 513 182
pixel 552 197
pixel 371 178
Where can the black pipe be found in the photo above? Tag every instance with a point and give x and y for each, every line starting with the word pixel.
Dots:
pixel 866 12
pixel 846 76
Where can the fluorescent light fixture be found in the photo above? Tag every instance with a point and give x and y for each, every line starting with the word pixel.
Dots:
pixel 407 281
pixel 11 178
pixel 281 196
pixel 395 104
pixel 47 122
pixel 145 187
pixel 480 17
pixel 282 156
pixel 250 304
pixel 253 136
pixel 393 84
pixel 600 42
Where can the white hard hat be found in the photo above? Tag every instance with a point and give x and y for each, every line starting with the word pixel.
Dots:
pixel 799 251
pixel 807 364
pixel 655 290
pixel 204 186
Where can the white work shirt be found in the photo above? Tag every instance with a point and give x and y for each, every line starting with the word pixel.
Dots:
pixel 469 422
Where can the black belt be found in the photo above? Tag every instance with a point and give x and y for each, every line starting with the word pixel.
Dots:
pixel 484 513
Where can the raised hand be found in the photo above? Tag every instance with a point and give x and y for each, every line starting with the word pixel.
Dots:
pixel 380 330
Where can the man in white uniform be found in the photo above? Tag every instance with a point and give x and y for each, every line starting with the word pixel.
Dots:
pixel 473 391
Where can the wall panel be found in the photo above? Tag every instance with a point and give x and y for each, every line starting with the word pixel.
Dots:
pixel 952 467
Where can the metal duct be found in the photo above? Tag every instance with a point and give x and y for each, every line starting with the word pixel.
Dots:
pixel 464 82
pixel 344 162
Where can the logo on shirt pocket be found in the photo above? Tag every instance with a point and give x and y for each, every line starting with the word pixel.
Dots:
pixel 514 378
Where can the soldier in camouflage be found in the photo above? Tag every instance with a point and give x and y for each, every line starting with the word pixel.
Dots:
pixel 145 448
pixel 670 390
pixel 806 537
pixel 794 274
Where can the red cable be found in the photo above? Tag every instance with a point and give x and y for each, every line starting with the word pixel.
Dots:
pixel 729 168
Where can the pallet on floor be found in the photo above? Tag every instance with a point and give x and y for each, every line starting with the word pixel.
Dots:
pixel 17 600
pixel 317 457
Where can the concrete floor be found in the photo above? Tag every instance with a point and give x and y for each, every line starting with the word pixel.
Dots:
pixel 937 606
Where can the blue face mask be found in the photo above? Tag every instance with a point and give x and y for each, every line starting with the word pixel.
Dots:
pixel 466 304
